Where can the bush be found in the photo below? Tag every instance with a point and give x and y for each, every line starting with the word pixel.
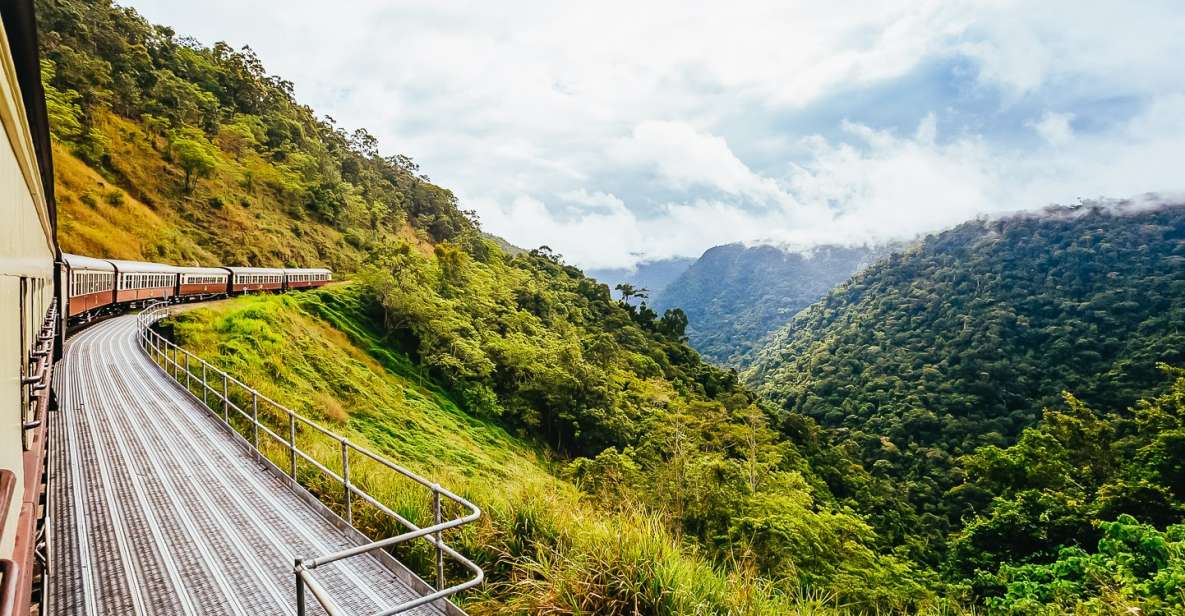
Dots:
pixel 114 197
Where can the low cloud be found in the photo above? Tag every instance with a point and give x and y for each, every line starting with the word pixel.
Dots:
pixel 683 126
pixel 868 186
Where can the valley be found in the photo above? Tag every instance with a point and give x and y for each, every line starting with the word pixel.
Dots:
pixel 990 419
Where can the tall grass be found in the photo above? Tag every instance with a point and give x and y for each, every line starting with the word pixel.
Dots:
pixel 545 548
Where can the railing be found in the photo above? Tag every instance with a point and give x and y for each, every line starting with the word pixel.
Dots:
pixel 189 370
pixel 28 556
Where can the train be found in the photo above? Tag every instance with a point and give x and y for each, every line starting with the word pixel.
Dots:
pixel 43 291
pixel 30 341
pixel 97 287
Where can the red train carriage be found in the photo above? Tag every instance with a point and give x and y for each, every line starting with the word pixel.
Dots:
pixel 200 282
pixel 306 278
pixel 138 282
pixel 90 284
pixel 255 279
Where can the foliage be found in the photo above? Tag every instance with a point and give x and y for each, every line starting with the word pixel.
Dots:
pixel 547 546
pixel 898 439
pixel 960 342
pixel 179 126
pixel 735 295
pixel 1079 478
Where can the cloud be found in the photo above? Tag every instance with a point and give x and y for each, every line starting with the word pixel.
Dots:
pixel 686 158
pixel 618 129
pixel 874 185
pixel 1054 128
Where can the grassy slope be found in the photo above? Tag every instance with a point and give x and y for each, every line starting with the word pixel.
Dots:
pixel 542 546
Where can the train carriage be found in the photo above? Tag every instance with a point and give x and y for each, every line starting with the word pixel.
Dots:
pixel 245 279
pixel 137 282
pixel 29 308
pixel 90 284
pixel 303 278
pixel 200 282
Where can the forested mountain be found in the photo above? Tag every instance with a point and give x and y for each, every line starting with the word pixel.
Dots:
pixel 635 478
pixel 735 295
pixel 961 341
pixel 619 472
pixel 172 151
pixel 652 276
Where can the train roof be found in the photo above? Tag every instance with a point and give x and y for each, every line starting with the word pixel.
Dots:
pixel 256 270
pixel 87 263
pixel 203 270
pixel 307 270
pixel 142 267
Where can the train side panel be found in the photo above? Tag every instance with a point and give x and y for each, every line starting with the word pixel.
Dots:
pixel 28 251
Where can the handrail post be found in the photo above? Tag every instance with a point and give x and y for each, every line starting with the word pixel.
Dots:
pixel 225 402
pixel 188 374
pixel 439 541
pixel 205 388
pixel 299 589
pixel 255 421
pixel 346 481
pixel 292 442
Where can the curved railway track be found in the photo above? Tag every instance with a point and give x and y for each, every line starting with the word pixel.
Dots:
pixel 157 511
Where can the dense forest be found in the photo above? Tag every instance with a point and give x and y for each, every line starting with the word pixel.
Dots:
pixel 735 295
pixel 905 446
pixel 933 359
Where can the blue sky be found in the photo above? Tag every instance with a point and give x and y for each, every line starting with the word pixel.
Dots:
pixel 620 131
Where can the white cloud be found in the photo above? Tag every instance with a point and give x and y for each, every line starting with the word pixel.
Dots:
pixel 612 129
pixel 686 158
pixel 1054 127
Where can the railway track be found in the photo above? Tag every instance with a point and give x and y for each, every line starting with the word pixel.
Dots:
pixel 157 511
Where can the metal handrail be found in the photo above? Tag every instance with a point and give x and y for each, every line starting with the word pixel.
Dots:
pixel 17 574
pixel 167 355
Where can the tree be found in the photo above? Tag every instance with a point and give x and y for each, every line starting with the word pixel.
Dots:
pixel 194 157
pixel 628 290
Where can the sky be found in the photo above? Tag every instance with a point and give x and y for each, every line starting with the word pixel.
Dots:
pixel 619 132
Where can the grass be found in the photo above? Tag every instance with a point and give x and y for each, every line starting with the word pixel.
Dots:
pixel 546 549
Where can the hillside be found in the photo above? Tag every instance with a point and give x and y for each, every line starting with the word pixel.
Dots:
pixel 170 151
pixel 621 474
pixel 961 341
pixel 896 462
pixel 735 295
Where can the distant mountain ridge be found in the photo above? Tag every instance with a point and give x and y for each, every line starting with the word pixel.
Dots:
pixel 654 276
pixel 735 295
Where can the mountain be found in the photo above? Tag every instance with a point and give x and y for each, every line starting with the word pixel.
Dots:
pixel 734 295
pixel 893 463
pixel 617 470
pixel 654 276
pixel 961 341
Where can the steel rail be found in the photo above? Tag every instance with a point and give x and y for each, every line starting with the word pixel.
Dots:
pixel 167 356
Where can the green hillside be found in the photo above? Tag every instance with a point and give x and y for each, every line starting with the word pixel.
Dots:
pixel 960 342
pixel 885 471
pixel 735 295
pixel 620 473
pixel 170 151
pixel 547 545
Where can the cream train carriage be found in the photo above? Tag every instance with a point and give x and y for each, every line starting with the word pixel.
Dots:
pixel 29 323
